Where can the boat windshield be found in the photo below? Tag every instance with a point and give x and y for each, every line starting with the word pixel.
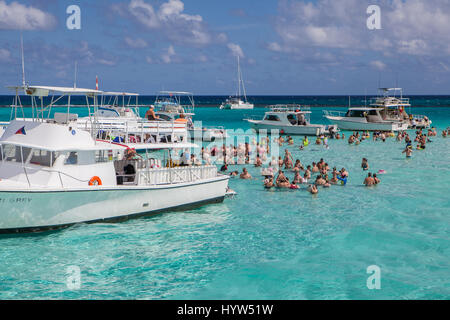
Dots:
pixel 271 117
pixel 360 113
pixel 18 154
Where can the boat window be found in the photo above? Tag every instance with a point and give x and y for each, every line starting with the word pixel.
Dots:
pixel 272 117
pixel 103 156
pixel 292 118
pixel 41 158
pixel 72 158
pixel 1 152
pixel 12 153
pixel 355 113
pixel 373 113
pixel 165 117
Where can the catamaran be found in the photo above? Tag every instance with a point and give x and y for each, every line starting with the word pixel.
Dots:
pixel 292 120
pixel 236 102
pixel 53 175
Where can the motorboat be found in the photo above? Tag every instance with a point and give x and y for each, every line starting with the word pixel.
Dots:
pixel 120 121
pixel 169 107
pixel 54 175
pixel 385 113
pixel 290 120
pixel 237 102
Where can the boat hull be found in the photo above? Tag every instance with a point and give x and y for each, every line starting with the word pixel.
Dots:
pixel 237 106
pixel 39 210
pixel 313 130
pixel 350 125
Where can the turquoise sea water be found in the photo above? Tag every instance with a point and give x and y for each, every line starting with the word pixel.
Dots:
pixel 266 244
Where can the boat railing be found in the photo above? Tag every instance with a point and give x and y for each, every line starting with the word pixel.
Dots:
pixel 51 171
pixel 389 101
pixel 289 108
pixel 334 113
pixel 161 176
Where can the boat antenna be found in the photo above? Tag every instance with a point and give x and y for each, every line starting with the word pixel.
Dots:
pixel 23 60
pixel 365 97
pixel 75 80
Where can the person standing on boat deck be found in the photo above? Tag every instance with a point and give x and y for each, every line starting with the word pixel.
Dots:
pixel 150 114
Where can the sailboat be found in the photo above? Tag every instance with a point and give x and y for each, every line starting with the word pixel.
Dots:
pixel 236 102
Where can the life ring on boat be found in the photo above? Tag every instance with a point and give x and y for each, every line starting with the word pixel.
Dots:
pixel 282 131
pixel 95 181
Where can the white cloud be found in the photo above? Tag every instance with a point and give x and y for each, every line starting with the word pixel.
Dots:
pixel 168 56
pixel 413 27
pixel 144 13
pixel 235 50
pixel 16 16
pixel 379 65
pixel 169 18
pixel 137 43
pixel 5 55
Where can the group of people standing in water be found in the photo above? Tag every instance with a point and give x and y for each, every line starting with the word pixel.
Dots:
pixel 319 174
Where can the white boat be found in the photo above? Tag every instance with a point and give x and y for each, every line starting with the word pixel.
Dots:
pixel 385 113
pixel 122 123
pixel 290 120
pixel 53 175
pixel 363 119
pixel 236 102
pixel 169 107
pixel 395 105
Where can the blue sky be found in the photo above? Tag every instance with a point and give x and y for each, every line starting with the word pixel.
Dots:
pixel 287 47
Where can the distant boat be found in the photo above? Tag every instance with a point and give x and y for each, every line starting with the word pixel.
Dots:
pixel 292 120
pixel 386 113
pixel 237 102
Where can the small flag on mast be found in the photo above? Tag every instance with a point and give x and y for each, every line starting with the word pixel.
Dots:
pixel 96 82
pixel 21 131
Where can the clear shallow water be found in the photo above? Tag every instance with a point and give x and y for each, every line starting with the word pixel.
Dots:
pixel 264 244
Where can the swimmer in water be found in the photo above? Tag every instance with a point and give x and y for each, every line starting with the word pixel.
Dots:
pixel 320 181
pixel 282 181
pixel 294 185
pixel 245 174
pixel 408 151
pixel 364 164
pixel 268 182
pixel 234 173
pixel 369 181
pixel 375 179
pixel 315 168
pixel 313 189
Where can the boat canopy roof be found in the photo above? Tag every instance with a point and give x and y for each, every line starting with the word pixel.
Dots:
pixel 176 92
pixel 128 94
pixel 364 108
pixel 158 146
pixel 51 137
pixel 43 91
pixel 291 108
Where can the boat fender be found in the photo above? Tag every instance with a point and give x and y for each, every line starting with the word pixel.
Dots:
pixel 95 181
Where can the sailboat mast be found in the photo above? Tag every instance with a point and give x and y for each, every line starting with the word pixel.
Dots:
pixel 239 78
pixel 23 61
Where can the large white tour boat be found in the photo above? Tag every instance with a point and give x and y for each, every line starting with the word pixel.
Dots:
pixel 54 175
